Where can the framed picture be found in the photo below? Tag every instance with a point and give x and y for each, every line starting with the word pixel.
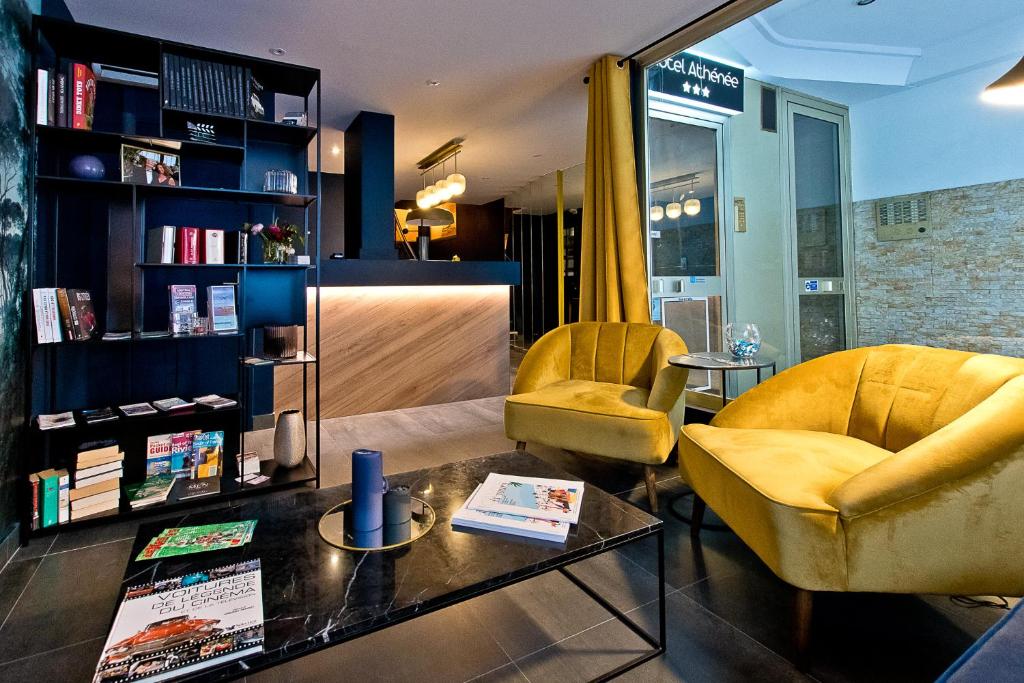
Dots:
pixel 150 166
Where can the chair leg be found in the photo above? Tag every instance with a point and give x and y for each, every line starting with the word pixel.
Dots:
pixel 652 490
pixel 802 626
pixel 697 515
pixel 520 445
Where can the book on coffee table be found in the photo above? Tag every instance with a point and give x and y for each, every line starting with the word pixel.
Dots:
pixel 555 499
pixel 503 522
pixel 184 625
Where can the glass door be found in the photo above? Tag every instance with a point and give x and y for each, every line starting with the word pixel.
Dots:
pixel 686 234
pixel 819 222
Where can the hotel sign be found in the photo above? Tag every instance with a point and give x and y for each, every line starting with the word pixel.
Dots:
pixel 699 82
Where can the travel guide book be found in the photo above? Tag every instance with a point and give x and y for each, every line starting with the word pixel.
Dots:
pixel 183 625
pixel 554 499
pixel 503 522
pixel 198 539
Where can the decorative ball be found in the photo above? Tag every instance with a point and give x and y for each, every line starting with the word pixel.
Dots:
pixel 743 339
pixel 88 167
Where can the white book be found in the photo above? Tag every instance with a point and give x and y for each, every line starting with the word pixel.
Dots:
pixel 42 96
pixel 97 499
pixel 54 314
pixel 42 327
pixel 214 245
pixel 555 499
pixel 160 244
pixel 80 512
pixel 501 522
pixel 91 475
pixel 63 497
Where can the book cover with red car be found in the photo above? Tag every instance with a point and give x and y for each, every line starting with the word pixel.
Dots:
pixel 185 624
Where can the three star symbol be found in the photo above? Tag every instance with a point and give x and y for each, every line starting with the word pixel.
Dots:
pixel 696 89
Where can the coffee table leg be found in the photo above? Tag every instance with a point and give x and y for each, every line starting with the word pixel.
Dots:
pixel 657 643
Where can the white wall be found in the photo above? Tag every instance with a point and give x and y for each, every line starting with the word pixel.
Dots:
pixel 935 136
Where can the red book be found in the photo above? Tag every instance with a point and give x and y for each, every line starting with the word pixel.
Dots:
pixel 83 96
pixel 186 246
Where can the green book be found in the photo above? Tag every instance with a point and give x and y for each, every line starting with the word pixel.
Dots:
pixel 49 497
pixel 197 539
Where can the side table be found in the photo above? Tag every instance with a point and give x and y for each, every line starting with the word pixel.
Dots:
pixel 723 362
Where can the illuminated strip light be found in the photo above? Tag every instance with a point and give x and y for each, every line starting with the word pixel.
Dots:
pixel 654 96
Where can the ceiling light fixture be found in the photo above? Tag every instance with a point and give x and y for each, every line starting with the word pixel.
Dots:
pixel 673 209
pixel 277 51
pixel 692 206
pixel 657 212
pixel 862 3
pixel 432 83
pixel 1008 89
pixel 446 187
pixel 335 150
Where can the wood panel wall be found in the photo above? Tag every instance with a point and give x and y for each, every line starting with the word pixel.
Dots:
pixel 383 348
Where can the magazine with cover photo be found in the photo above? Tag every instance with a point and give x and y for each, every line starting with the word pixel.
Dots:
pixel 503 522
pixel 185 624
pixel 197 539
pixel 554 499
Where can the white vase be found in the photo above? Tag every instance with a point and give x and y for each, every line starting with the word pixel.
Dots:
pixel 289 439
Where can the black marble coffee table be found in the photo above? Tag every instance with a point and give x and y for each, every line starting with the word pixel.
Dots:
pixel 316 596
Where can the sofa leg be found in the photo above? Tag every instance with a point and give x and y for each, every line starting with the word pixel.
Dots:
pixel 802 626
pixel 697 516
pixel 520 445
pixel 652 489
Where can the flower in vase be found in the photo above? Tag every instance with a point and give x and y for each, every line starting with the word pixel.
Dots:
pixel 256 229
pixel 275 233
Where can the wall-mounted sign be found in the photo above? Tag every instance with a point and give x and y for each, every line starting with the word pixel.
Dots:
pixel 698 81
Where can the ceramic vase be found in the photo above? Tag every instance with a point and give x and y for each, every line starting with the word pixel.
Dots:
pixel 289 439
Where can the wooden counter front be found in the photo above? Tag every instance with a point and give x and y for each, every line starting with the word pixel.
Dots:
pixel 383 348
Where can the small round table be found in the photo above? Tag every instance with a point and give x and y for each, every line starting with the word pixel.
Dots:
pixel 721 361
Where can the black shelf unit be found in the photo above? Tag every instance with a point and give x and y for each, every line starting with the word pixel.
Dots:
pixel 90 234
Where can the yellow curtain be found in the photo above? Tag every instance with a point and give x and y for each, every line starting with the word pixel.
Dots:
pixel 613 273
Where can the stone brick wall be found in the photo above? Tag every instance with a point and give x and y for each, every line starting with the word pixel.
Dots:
pixel 962 287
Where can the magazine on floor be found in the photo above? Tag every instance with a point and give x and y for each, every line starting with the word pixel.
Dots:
pixel 554 499
pixel 186 624
pixel 503 522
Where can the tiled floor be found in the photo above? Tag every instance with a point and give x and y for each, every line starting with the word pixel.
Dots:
pixel 728 616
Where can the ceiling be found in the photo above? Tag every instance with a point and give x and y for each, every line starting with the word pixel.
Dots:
pixel 510 73
pixel 847 53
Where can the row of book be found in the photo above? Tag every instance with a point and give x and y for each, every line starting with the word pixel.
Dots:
pixel 93 488
pixel 210 88
pixel 523 506
pixel 66 97
pixel 107 414
pixel 63 314
pixel 188 245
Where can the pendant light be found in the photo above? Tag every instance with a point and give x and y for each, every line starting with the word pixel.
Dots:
pixel 673 210
pixel 444 192
pixel 457 181
pixel 1008 89
pixel 692 205
pixel 657 212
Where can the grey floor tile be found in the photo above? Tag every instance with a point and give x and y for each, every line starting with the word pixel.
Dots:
pixel 37 547
pixel 509 673
pixel 13 581
pixel 74 663
pixel 70 598
pixel 618 579
pixel 443 646
pixel 96 535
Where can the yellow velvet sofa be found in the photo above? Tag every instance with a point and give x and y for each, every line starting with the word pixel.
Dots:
pixel 884 469
pixel 604 389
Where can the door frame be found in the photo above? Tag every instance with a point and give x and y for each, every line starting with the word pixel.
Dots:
pixel 661 106
pixel 792 103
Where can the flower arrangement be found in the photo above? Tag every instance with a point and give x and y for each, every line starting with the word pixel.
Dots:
pixel 278 239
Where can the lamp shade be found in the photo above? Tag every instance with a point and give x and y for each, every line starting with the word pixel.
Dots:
pixel 657 212
pixel 691 207
pixel 1008 89
pixel 422 199
pixel 444 193
pixel 457 183
pixel 674 210
pixel 430 217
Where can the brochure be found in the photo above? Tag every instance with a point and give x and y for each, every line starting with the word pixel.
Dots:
pixel 554 499
pixel 531 527
pixel 154 489
pixel 183 625
pixel 198 539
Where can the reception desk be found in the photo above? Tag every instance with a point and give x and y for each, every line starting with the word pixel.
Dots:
pixel 402 338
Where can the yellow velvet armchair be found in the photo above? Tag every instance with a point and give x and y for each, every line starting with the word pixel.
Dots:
pixel 601 388
pixel 884 469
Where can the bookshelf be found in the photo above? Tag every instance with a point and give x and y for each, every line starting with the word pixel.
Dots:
pixel 90 233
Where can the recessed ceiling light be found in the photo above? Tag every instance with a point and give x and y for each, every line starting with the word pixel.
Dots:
pixel 537 156
pixel 335 150
pixel 277 51
pixel 433 84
